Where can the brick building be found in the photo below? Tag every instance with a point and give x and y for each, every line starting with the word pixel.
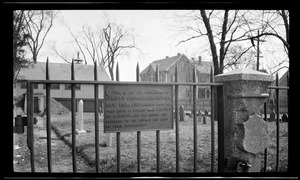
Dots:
pixel 185 72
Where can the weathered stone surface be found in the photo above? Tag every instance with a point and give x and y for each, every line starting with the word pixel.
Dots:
pixel 245 135
pixel 244 74
pixel 256 135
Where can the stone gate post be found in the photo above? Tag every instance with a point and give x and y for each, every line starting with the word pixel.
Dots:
pixel 246 133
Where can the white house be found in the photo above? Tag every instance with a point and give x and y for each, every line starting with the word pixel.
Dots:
pixel 62 92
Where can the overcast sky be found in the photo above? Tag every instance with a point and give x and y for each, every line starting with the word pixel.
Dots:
pixel 152 33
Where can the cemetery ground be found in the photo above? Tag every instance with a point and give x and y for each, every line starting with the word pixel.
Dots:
pixel 62 153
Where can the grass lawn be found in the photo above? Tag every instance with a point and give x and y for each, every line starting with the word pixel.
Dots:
pixel 86 146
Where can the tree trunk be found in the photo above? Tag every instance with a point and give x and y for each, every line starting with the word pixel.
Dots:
pixel 213 47
pixel 222 43
pixel 111 73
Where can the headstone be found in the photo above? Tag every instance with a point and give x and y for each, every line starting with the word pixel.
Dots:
pixel 80 118
pixel 181 113
pixel 272 116
pixel 199 114
pixel 108 139
pixel 285 118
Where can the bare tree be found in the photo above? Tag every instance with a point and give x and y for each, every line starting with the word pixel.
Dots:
pixel 19 41
pixel 240 57
pixel 115 43
pixel 103 45
pixel 38 24
pixel 221 27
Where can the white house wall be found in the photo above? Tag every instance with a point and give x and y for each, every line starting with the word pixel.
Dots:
pixel 86 91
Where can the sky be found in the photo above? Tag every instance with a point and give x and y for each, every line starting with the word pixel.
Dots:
pixel 153 38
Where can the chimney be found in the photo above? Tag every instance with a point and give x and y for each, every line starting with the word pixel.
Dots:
pixel 200 59
pixel 178 54
pixel 193 59
pixel 167 57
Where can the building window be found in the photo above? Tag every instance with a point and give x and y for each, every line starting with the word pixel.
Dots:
pixel 52 86
pixel 68 86
pixel 207 94
pixel 181 66
pixel 24 85
pixel 187 92
pixel 173 78
pixel 201 93
pixel 151 78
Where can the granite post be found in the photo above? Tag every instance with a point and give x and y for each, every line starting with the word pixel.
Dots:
pixel 246 133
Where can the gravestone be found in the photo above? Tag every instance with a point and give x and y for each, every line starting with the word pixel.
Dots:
pixel 80 118
pixel 181 113
pixel 272 116
pixel 108 139
pixel 285 118
pixel 199 114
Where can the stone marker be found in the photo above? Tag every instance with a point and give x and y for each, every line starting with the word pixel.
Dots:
pixel 272 116
pixel 108 139
pixel 255 137
pixel 80 118
pixel 285 118
pixel 199 114
pixel 181 113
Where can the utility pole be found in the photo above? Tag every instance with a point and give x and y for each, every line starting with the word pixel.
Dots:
pixel 258 51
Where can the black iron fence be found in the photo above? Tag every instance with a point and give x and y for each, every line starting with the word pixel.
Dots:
pixel 277 118
pixel 214 87
pixel 219 113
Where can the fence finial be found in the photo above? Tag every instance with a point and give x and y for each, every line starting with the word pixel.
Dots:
pixel 137 72
pixel 176 73
pixel 157 73
pixel 117 72
pixel 47 69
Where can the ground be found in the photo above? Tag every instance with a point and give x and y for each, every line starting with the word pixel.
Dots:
pixel 62 158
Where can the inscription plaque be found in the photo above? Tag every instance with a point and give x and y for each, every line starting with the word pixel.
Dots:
pixel 137 108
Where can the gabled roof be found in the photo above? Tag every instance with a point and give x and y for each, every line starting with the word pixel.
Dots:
pixel 203 67
pixel 164 64
pixel 62 71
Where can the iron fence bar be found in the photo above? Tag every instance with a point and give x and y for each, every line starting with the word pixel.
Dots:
pixel 221 127
pixel 118 153
pixel 118 133
pixel 157 132
pixel 212 116
pixel 48 119
pixel 73 105
pixel 266 150
pixel 288 133
pixel 195 118
pixel 277 124
pixel 122 82
pixel 96 104
pixel 138 132
pixel 177 121
pixel 30 135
